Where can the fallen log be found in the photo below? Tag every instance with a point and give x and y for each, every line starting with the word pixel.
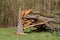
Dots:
pixel 42 18
pixel 29 22
pixel 39 19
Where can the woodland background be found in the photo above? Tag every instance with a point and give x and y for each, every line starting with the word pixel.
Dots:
pixel 9 10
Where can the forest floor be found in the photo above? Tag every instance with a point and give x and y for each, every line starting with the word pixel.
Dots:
pixel 9 34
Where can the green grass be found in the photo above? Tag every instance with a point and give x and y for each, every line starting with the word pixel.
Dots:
pixel 9 34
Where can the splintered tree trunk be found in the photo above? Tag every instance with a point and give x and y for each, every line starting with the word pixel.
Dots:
pixel 19 27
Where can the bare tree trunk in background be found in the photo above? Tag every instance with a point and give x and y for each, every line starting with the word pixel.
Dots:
pixel 49 6
pixel 19 26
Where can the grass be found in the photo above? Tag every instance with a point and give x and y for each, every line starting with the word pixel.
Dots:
pixel 9 34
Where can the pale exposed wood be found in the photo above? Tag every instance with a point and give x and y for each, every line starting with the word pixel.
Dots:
pixel 23 12
pixel 27 12
pixel 31 22
pixel 35 24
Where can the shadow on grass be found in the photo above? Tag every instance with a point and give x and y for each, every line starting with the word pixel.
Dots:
pixel 43 28
pixel 38 29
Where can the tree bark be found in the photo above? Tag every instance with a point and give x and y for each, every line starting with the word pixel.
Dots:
pixel 20 26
